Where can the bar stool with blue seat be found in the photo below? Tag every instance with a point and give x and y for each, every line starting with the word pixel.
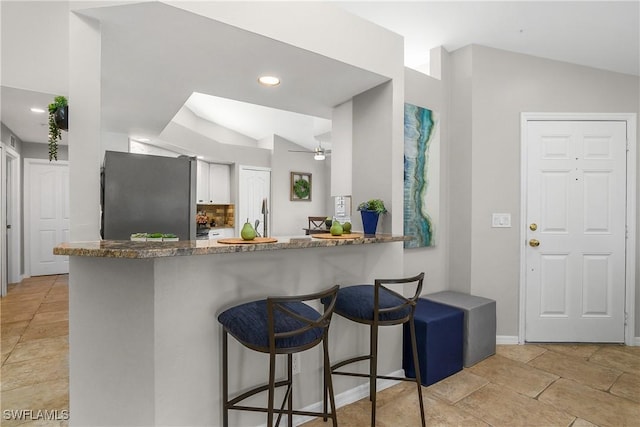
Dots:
pixel 278 325
pixel 376 305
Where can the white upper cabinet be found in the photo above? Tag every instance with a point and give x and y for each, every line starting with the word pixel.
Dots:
pixel 219 183
pixel 213 183
pixel 202 182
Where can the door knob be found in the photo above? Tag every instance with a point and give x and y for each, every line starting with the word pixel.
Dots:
pixel 533 227
pixel 534 243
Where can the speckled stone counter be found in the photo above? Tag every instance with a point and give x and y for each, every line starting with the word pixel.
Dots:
pixel 129 249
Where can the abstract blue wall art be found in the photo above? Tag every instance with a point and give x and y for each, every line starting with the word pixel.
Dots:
pixel 421 175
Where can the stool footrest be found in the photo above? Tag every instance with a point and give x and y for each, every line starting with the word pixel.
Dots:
pixel 380 377
pixel 253 391
pixel 348 361
pixel 282 411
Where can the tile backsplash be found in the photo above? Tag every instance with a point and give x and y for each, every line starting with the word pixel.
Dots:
pixel 220 215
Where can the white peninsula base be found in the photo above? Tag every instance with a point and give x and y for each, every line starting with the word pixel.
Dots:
pixel 145 341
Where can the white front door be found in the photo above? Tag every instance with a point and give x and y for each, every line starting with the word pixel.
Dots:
pixel 576 210
pixel 254 187
pixel 48 216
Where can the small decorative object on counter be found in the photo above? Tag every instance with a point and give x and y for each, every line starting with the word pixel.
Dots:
pixel 169 237
pixel 202 219
pixel 247 232
pixel 336 229
pixel 370 211
pixel 346 228
pixel 154 237
pixel 139 237
pixel 328 222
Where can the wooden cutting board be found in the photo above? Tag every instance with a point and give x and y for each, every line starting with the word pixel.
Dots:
pixel 344 236
pixel 239 241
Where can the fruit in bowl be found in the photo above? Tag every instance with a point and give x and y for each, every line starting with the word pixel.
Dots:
pixel 336 229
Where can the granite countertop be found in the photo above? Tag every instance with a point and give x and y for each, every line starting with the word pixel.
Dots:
pixel 129 249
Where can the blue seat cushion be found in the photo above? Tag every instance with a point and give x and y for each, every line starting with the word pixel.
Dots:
pixel 248 324
pixel 356 302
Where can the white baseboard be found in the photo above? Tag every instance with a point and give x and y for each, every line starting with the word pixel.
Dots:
pixel 507 339
pixel 510 340
pixel 349 396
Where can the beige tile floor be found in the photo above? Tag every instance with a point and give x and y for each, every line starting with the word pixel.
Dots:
pixel 530 385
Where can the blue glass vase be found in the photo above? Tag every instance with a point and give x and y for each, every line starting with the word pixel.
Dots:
pixel 369 221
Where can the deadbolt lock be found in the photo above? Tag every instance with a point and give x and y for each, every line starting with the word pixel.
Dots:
pixel 533 227
pixel 534 243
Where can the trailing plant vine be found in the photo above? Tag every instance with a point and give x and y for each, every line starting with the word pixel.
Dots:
pixel 55 133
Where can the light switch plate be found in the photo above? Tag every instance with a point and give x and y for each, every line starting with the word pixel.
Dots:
pixel 501 220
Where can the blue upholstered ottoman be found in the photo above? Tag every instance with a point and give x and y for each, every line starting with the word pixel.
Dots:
pixel 439 330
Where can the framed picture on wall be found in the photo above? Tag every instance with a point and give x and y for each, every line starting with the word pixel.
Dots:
pixel 300 186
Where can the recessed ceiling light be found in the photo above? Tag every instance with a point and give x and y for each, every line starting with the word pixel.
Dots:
pixel 269 80
pixel 37 110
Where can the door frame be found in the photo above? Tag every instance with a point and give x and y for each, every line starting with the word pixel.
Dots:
pixel 12 271
pixel 28 163
pixel 630 243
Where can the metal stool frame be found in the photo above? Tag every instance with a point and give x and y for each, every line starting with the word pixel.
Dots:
pixel 276 303
pixel 373 351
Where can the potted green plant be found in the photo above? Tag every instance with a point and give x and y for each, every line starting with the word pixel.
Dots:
pixel 139 237
pixel 371 211
pixel 154 237
pixel 58 121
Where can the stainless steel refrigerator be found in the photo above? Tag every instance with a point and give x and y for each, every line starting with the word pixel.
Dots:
pixel 148 194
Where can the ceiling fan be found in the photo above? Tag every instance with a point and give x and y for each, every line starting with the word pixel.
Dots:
pixel 319 153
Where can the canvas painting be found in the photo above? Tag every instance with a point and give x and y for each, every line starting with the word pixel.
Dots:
pixel 421 175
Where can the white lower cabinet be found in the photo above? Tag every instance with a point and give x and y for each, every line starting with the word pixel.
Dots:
pixel 221 233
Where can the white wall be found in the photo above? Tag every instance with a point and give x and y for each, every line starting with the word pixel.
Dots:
pixel 432 93
pixel 373 156
pixel 187 118
pixel 342 149
pixel 304 24
pixel 35 45
pixel 213 151
pixel 114 141
pixel 501 85
pixel 460 179
pixel 288 218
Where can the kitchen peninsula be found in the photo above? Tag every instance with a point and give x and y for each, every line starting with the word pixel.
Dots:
pixel 143 330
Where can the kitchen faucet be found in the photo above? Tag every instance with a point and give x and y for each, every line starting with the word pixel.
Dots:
pixel 265 214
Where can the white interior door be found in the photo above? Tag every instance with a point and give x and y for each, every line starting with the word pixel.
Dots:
pixel 576 210
pixel 254 187
pixel 48 216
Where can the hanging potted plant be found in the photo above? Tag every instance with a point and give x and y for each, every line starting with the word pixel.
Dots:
pixel 58 121
pixel 370 211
